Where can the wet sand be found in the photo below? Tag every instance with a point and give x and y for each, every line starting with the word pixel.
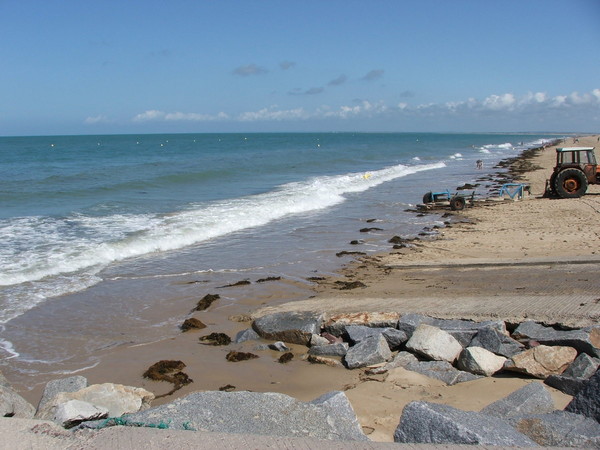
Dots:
pixel 535 258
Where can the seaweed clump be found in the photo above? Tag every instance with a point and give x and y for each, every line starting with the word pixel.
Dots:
pixel 206 301
pixel 169 371
pixel 216 339
pixel 191 324
pixel 234 356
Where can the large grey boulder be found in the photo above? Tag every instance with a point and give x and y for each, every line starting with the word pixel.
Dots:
pixel 587 400
pixel 480 361
pixel 246 335
pixel 584 366
pixel 337 349
pixel 373 350
pixel 73 412
pixel 336 324
pixel 441 370
pixel 462 330
pixel 542 361
pixel 328 417
pixel 116 398
pixel 13 405
pixel 55 387
pixel 290 327
pixel 532 398
pixel 584 340
pixel 434 343
pixel 567 385
pixel 431 423
pixel 496 342
pixel 357 333
pixel 559 429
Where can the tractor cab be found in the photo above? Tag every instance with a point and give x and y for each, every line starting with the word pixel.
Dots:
pixel 575 168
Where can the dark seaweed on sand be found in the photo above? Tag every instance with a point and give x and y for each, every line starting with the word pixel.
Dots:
pixel 169 371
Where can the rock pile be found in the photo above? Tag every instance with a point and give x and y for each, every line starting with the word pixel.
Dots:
pixel 455 351
pixel 71 403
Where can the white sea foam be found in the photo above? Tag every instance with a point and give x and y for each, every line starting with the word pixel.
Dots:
pixel 45 257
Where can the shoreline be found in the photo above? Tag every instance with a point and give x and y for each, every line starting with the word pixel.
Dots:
pixel 471 263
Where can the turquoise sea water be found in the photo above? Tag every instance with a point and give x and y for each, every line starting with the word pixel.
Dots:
pixel 85 217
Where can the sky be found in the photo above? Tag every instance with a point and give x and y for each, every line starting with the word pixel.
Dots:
pixel 128 66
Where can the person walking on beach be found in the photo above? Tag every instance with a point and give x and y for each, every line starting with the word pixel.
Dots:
pixel 479 164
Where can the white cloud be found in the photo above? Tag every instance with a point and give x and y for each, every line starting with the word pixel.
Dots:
pixel 272 113
pixel 505 106
pixel 97 119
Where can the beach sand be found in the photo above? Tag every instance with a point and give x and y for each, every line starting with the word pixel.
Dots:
pixel 536 258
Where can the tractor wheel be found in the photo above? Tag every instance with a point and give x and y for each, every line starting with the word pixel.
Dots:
pixel 428 198
pixel 457 203
pixel 570 183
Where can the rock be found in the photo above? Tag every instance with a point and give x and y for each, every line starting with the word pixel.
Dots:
pixel 373 350
pixel 441 370
pixel 235 356
pixel 586 341
pixel 246 335
pixel 532 398
pixel 337 324
pixel 559 429
pixel 402 359
pixel 357 333
pixel 542 361
pixel 54 387
pixel 480 361
pixel 192 324
pixel 206 301
pixel 584 366
pixel 434 343
pixel 4 382
pixel 279 347
pixel 73 412
pixel 395 338
pixel 13 405
pixel 496 342
pixel 328 417
pixel 587 401
pixel 329 350
pixel 317 339
pixel 291 327
pixel 430 423
pixel 116 398
pixel 215 339
pixel 462 330
pixel 316 359
pixel 567 385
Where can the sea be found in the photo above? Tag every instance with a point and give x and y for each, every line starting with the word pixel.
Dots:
pixel 102 238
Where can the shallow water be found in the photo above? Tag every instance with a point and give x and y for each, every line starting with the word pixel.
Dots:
pixel 110 240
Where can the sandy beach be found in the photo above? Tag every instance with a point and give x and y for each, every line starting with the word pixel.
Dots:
pixel 535 258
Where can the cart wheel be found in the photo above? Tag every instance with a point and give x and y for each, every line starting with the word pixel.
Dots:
pixel 428 198
pixel 457 203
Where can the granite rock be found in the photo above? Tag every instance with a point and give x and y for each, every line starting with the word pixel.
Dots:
pixel 542 361
pixel 584 366
pixel 328 417
pixel 55 387
pixel 480 361
pixel 431 423
pixel 441 370
pixel 290 327
pixel 496 342
pixel 336 324
pixel 583 340
pixel 587 401
pixel 373 350
pixel 13 405
pixel 339 349
pixel 532 398
pixel 559 429
pixel 246 335
pixel 434 343
pixel 567 385
pixel 73 412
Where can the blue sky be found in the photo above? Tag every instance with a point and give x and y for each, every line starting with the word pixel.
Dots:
pixel 96 67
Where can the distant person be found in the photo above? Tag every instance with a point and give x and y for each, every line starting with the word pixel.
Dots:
pixel 479 164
